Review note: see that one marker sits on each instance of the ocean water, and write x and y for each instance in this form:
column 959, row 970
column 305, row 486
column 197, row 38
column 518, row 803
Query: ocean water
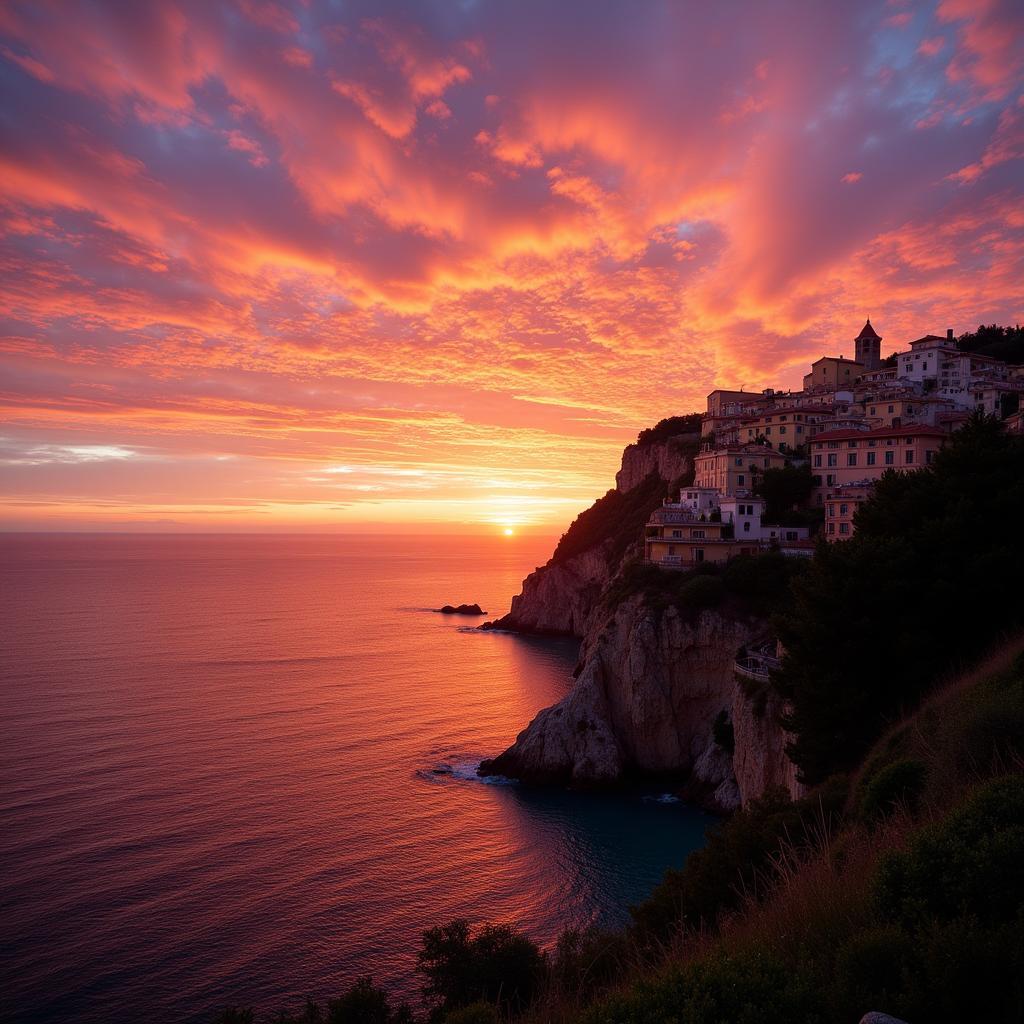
column 241, row 770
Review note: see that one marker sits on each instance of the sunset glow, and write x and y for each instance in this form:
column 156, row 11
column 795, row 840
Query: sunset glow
column 387, row 266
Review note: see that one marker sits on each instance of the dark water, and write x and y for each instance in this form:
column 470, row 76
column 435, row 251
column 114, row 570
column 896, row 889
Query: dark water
column 240, row 769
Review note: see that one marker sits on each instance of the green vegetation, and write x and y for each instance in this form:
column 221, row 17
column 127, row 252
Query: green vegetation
column 1005, row 343
column 747, row 585
column 615, row 521
column 877, row 620
column 783, row 489
column 673, row 426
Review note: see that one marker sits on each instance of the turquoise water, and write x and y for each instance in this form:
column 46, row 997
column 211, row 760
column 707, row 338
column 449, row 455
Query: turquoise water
column 241, row 769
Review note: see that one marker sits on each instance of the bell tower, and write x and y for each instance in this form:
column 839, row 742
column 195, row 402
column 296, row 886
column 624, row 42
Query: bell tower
column 868, row 348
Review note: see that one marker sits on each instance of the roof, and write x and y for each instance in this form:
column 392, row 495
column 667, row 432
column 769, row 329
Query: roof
column 836, row 359
column 911, row 430
column 932, row 337
column 867, row 331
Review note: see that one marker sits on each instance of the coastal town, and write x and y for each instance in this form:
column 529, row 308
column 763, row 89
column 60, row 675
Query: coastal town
column 855, row 419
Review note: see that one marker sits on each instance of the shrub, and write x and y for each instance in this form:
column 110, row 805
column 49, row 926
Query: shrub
column 588, row 959
column 969, row 864
column 476, row 1013
column 753, row 987
column 497, row 965
column 701, row 591
column 363, row 1003
column 898, row 783
column 673, row 426
column 873, row 968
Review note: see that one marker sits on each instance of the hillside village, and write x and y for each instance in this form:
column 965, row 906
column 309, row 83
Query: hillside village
column 854, row 420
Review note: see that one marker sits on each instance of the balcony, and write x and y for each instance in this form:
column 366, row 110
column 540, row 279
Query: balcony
column 758, row 664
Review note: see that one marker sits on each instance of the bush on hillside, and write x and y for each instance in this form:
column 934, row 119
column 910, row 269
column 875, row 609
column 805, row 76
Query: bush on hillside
column 673, row 426
column 897, row 785
column 971, row 864
column 614, row 521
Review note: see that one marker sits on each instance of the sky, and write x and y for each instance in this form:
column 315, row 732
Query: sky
column 408, row 266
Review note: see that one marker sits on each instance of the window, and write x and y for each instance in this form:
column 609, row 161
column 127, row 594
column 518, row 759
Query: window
column 928, row 456
column 782, row 430
column 698, row 534
column 872, row 456
column 851, row 459
column 746, row 526
column 890, row 458
column 677, row 533
column 698, row 554
column 671, row 549
column 844, row 527
column 844, row 509
column 831, row 527
column 909, row 456
column 830, row 479
column 889, row 409
column 738, row 462
column 833, row 459
column 741, row 480
column 851, row 444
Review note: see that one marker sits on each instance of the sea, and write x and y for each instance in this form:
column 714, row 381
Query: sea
column 242, row 770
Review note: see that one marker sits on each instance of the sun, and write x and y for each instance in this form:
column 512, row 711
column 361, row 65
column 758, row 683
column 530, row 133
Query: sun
column 509, row 532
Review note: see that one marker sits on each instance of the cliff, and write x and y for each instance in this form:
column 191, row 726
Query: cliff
column 650, row 686
column 561, row 596
column 656, row 669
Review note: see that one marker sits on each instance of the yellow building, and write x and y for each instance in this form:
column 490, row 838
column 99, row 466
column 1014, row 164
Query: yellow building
column 679, row 539
column 735, row 468
column 785, row 428
column 833, row 372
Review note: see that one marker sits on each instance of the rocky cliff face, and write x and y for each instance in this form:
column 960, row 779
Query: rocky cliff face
column 650, row 687
column 668, row 459
column 560, row 597
column 760, row 761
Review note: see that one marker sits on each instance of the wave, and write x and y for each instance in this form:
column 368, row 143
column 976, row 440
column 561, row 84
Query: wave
column 462, row 769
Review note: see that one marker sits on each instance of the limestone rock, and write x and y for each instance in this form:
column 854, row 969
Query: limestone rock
column 648, row 691
column 760, row 762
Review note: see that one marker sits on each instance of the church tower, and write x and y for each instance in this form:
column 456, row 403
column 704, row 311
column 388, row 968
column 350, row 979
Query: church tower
column 868, row 348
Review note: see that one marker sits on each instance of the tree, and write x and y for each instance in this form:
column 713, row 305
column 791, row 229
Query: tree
column 498, row 965
column 784, row 488
column 1005, row 343
column 930, row 579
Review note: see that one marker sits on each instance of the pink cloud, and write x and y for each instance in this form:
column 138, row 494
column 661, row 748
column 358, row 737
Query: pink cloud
column 273, row 235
